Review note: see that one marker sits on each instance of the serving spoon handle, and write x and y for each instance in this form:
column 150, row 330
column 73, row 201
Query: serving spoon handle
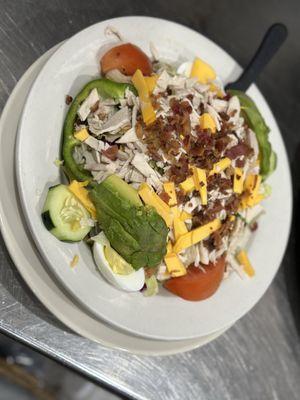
column 273, row 39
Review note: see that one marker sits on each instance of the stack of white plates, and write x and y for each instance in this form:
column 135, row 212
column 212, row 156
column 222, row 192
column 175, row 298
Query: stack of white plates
column 79, row 296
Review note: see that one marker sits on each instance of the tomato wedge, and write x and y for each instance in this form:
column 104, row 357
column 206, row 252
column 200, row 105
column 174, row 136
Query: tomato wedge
column 127, row 58
column 198, row 285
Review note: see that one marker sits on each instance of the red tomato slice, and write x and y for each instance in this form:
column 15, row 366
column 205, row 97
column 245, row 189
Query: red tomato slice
column 196, row 284
column 127, row 58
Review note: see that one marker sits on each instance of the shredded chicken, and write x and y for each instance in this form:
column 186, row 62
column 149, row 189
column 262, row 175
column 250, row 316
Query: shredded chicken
column 120, row 143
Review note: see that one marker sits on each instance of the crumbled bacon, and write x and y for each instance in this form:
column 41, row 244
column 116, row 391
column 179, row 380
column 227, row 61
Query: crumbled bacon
column 171, row 133
column 111, row 152
column 165, row 197
column 180, row 107
column 202, row 151
column 241, row 149
column 224, row 116
column 181, row 197
column 216, row 182
column 222, row 142
column 253, row 226
column 178, row 173
column 240, row 162
column 232, row 204
column 207, row 214
column 225, row 230
column 68, row 100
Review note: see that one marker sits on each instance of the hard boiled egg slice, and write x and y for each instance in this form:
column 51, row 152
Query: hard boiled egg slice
column 118, row 272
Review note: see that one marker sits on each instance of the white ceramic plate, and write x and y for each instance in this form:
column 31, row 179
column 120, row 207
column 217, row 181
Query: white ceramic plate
column 165, row 316
column 29, row 262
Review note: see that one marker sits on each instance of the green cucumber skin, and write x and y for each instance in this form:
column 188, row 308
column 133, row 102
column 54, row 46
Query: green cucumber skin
column 106, row 89
column 54, row 186
column 51, row 219
column 47, row 220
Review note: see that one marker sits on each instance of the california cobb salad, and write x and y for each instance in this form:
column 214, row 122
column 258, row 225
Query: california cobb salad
column 166, row 172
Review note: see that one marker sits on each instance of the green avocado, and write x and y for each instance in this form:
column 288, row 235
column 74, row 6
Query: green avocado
column 137, row 232
column 115, row 184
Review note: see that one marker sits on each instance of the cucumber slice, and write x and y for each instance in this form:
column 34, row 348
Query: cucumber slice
column 64, row 216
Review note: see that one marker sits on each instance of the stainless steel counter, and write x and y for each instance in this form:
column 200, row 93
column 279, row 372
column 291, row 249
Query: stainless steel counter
column 258, row 358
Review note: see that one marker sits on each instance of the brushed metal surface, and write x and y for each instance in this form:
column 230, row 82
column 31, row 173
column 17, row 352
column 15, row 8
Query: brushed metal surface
column 259, row 358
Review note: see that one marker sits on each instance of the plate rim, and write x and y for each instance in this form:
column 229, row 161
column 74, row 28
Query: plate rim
column 284, row 160
column 18, row 259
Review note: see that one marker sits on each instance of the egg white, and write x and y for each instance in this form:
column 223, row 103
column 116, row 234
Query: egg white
column 129, row 283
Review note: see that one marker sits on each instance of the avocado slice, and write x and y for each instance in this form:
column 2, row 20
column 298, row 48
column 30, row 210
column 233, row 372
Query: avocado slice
column 137, row 232
column 116, row 185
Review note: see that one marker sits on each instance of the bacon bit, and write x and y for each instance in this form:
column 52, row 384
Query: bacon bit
column 226, row 128
column 225, row 230
column 207, row 214
column 68, row 99
column 173, row 145
column 221, row 143
column 166, row 134
column 155, row 102
column 253, row 226
column 186, row 141
column 217, row 182
column 241, row 149
column 240, row 162
column 111, row 152
column 186, row 125
column 224, row 116
column 232, row 204
column 180, row 171
column 206, row 161
column 232, row 113
column 175, row 106
column 165, row 197
column 217, row 239
column 180, row 107
column 201, row 219
column 181, row 197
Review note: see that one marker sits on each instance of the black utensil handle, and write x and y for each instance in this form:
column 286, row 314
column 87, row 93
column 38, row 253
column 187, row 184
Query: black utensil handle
column 271, row 42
